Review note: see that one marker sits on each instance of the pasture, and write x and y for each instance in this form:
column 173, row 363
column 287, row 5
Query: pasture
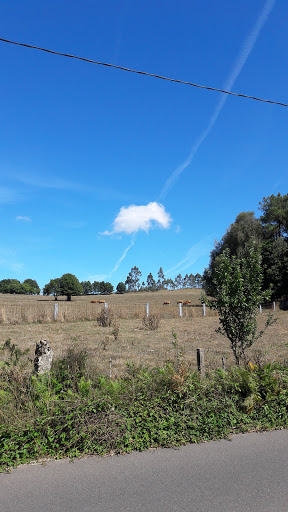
column 27, row 319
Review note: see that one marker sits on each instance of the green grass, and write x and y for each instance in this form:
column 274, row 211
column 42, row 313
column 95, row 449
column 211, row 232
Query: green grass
column 74, row 410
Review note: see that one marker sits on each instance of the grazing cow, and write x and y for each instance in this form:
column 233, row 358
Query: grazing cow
column 166, row 302
column 186, row 302
column 94, row 301
column 101, row 301
column 179, row 301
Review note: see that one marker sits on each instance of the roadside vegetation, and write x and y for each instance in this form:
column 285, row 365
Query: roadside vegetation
column 74, row 410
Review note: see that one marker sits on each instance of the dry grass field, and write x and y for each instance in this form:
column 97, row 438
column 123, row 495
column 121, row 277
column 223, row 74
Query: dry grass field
column 27, row 319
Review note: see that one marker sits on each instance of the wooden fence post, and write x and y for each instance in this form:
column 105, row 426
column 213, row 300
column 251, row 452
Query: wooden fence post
column 147, row 309
column 55, row 311
column 200, row 362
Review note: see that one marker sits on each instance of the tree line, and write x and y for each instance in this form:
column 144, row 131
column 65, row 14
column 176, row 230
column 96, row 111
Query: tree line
column 68, row 285
column 133, row 281
column 268, row 236
column 28, row 287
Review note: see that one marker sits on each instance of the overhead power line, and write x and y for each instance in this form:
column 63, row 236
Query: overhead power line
column 144, row 73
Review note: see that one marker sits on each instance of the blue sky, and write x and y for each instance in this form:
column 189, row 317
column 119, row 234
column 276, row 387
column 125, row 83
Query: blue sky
column 102, row 169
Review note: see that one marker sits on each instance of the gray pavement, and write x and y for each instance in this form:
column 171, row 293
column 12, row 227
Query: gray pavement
column 247, row 474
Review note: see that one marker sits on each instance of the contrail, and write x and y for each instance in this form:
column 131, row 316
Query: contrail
column 118, row 262
column 192, row 255
column 247, row 47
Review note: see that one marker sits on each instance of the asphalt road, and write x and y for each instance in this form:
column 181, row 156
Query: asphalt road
column 247, row 474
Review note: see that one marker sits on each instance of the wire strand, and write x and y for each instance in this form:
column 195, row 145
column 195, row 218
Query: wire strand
column 145, row 73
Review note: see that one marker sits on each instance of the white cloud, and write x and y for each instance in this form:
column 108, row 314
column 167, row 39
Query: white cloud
column 25, row 219
column 134, row 218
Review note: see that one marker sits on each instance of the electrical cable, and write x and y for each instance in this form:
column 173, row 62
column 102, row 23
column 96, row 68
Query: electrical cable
column 145, row 73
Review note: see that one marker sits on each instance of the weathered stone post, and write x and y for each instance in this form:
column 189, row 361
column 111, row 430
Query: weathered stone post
column 43, row 357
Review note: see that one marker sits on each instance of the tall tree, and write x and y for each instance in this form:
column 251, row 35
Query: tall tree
column 198, row 280
column 70, row 286
column 151, row 284
column 244, row 233
column 161, row 279
column 53, row 288
column 106, row 287
column 178, row 281
column 275, row 243
column 34, row 287
column 121, row 287
column 87, row 287
column 133, row 279
column 275, row 216
column 96, row 287
column 191, row 282
column 186, row 281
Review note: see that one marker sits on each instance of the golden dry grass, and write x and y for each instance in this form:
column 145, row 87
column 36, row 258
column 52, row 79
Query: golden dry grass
column 25, row 320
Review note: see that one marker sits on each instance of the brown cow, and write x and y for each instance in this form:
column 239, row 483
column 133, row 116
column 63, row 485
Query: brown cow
column 166, row 302
column 186, row 302
column 94, row 301
column 179, row 301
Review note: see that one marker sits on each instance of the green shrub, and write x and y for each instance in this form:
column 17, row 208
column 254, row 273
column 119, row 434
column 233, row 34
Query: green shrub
column 72, row 411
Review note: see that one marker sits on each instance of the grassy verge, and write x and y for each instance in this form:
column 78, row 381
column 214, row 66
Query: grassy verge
column 75, row 411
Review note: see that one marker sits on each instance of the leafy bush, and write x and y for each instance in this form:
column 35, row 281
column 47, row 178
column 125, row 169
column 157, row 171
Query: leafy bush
column 238, row 293
column 73, row 411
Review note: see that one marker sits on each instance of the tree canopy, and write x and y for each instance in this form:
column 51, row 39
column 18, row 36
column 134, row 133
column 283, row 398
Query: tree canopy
column 133, row 279
column 67, row 285
column 121, row 287
column 28, row 287
column 268, row 234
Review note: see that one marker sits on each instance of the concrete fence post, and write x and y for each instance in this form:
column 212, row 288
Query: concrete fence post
column 180, row 309
column 260, row 308
column 147, row 309
column 204, row 309
column 106, row 306
column 274, row 306
column 55, row 311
